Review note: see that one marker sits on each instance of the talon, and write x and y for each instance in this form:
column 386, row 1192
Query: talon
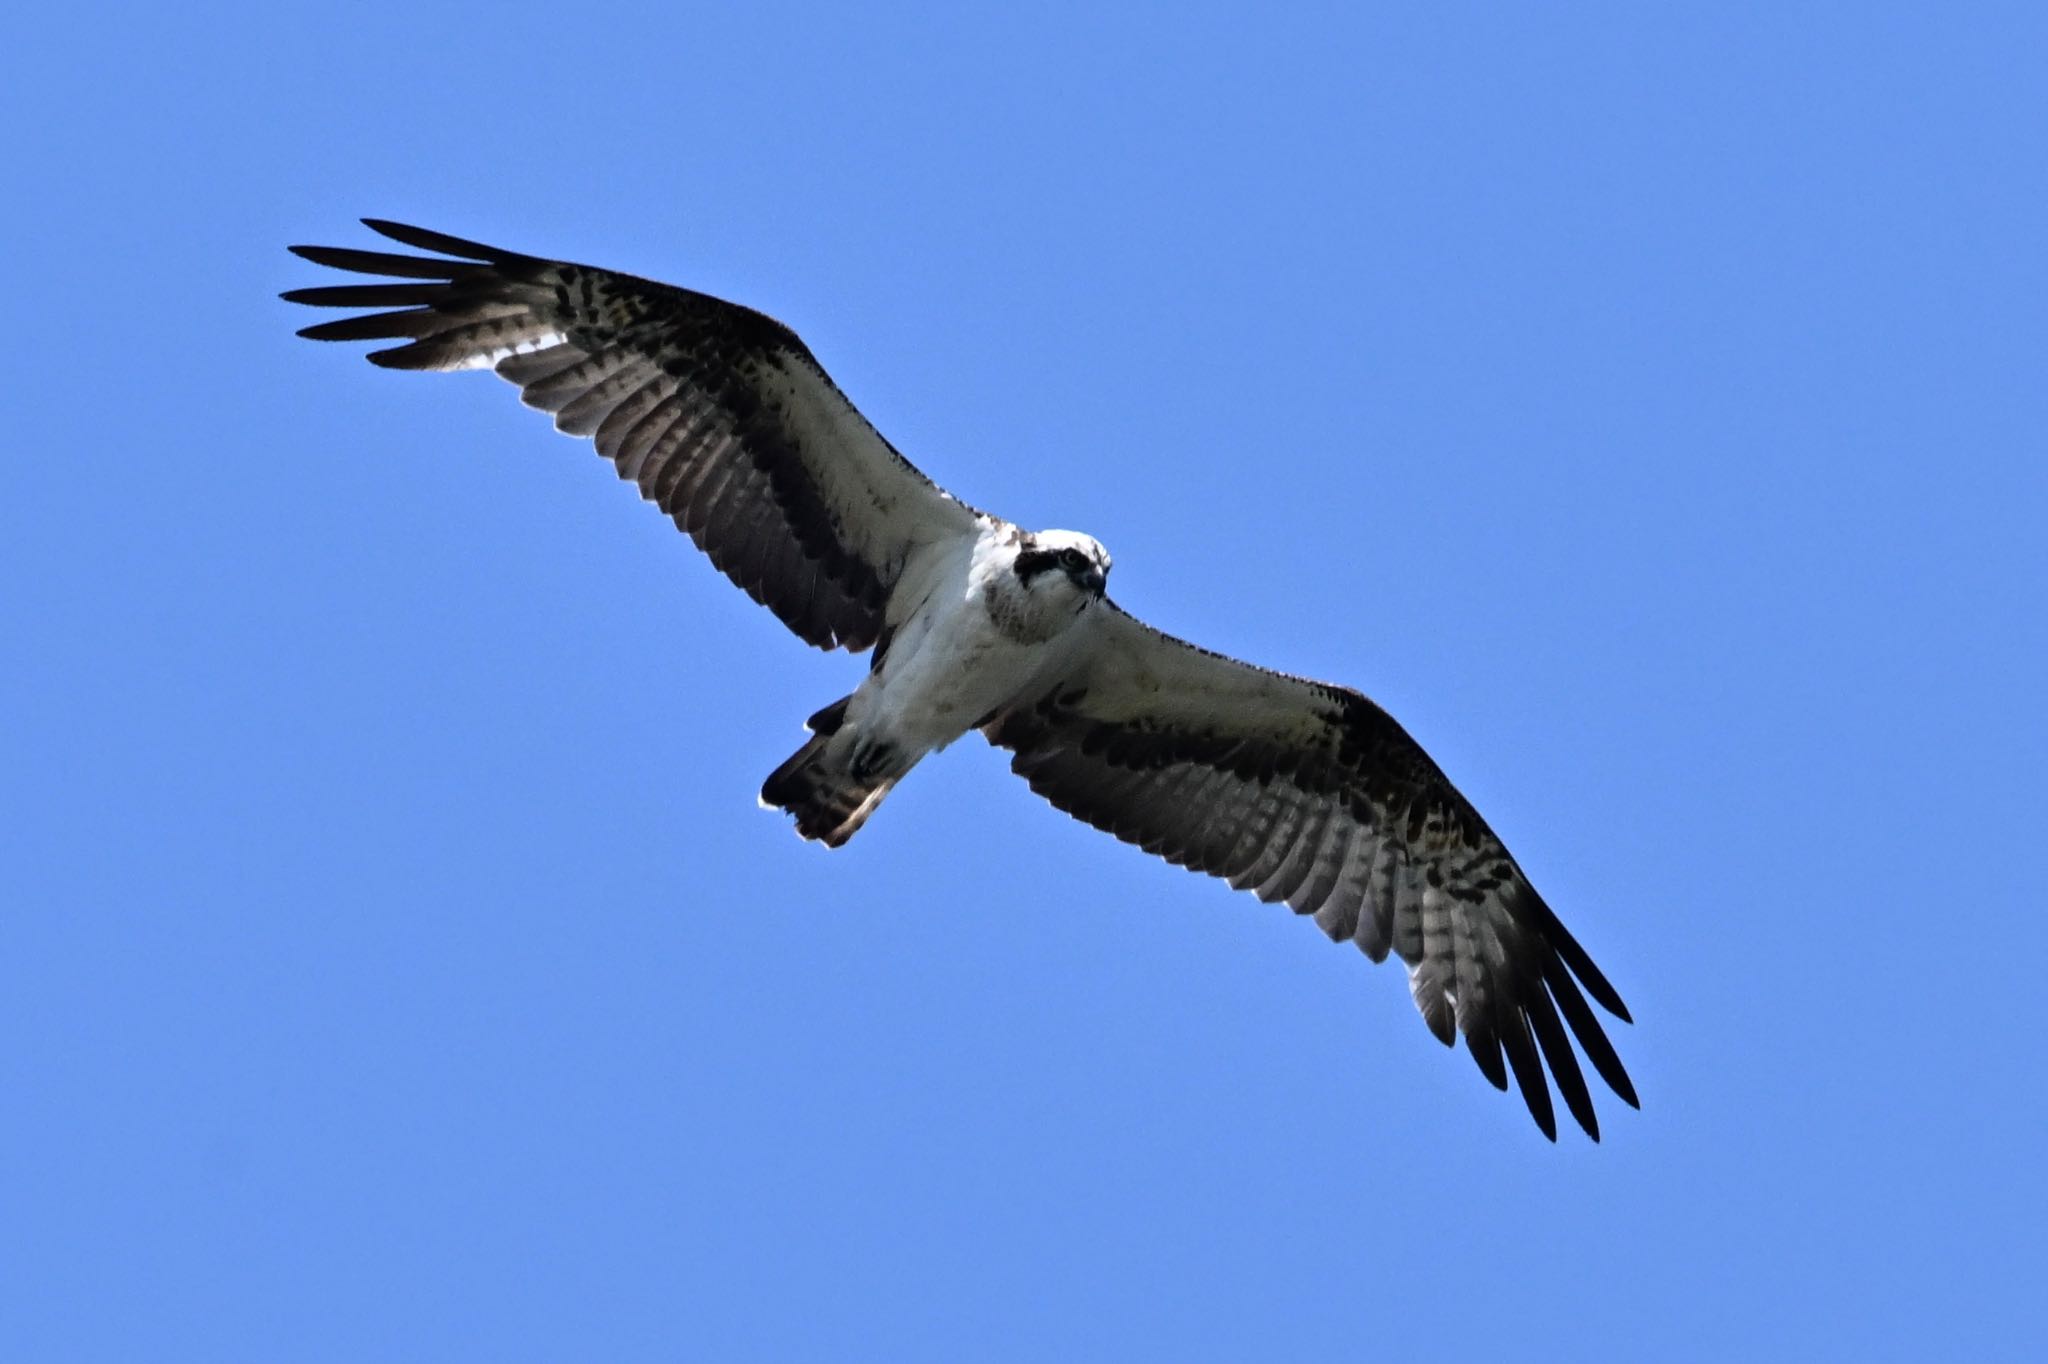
column 871, row 758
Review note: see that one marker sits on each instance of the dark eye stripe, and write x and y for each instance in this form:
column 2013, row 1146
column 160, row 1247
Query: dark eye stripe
column 1033, row 562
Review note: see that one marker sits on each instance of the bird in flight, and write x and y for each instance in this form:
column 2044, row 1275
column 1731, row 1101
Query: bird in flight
column 1298, row 791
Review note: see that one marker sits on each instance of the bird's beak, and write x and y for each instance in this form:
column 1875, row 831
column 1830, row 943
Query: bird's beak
column 1095, row 581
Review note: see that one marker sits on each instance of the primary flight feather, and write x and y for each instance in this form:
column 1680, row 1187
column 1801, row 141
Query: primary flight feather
column 1297, row 791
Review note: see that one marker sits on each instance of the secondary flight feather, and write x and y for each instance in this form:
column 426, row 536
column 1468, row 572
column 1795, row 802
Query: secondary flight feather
column 1301, row 792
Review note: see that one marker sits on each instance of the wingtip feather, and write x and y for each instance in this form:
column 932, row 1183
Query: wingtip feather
column 426, row 240
column 1581, row 962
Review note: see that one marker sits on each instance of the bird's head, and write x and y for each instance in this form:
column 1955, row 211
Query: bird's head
column 1064, row 564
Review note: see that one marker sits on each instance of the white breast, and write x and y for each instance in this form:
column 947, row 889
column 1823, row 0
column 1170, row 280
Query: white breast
column 949, row 663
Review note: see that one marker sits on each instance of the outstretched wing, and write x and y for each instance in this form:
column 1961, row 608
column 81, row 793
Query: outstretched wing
column 1310, row 794
column 720, row 414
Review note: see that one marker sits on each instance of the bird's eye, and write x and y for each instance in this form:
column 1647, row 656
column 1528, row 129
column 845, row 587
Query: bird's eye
column 1072, row 559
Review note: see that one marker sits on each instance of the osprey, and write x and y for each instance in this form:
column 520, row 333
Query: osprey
column 1298, row 791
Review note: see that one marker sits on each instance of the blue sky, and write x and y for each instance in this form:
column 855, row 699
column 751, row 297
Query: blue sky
column 1644, row 403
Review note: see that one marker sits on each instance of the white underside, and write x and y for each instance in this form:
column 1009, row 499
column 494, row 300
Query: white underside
column 949, row 664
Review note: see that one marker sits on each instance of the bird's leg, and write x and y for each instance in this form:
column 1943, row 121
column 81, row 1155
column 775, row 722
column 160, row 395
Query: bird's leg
column 872, row 757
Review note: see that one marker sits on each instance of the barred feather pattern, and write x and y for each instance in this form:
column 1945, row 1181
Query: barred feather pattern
column 717, row 413
column 1308, row 794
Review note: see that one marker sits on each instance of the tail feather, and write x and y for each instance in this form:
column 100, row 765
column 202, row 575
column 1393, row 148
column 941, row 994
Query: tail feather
column 830, row 800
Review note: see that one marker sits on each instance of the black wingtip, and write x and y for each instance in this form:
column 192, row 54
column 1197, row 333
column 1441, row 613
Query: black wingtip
column 1556, row 1046
column 425, row 240
column 1536, row 1094
column 1519, row 1042
column 1596, row 983
column 404, row 295
column 1485, row 1049
column 369, row 327
column 1597, row 986
column 343, row 329
column 1530, row 905
column 1585, row 1025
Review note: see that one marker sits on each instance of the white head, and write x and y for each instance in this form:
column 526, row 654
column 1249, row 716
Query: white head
column 1054, row 576
column 1064, row 563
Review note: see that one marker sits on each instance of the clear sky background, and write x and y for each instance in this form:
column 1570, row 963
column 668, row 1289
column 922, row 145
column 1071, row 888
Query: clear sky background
column 1644, row 403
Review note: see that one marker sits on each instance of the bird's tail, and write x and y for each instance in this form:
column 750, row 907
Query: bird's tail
column 830, row 787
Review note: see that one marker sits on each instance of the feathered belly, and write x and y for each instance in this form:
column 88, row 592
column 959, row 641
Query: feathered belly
column 954, row 675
